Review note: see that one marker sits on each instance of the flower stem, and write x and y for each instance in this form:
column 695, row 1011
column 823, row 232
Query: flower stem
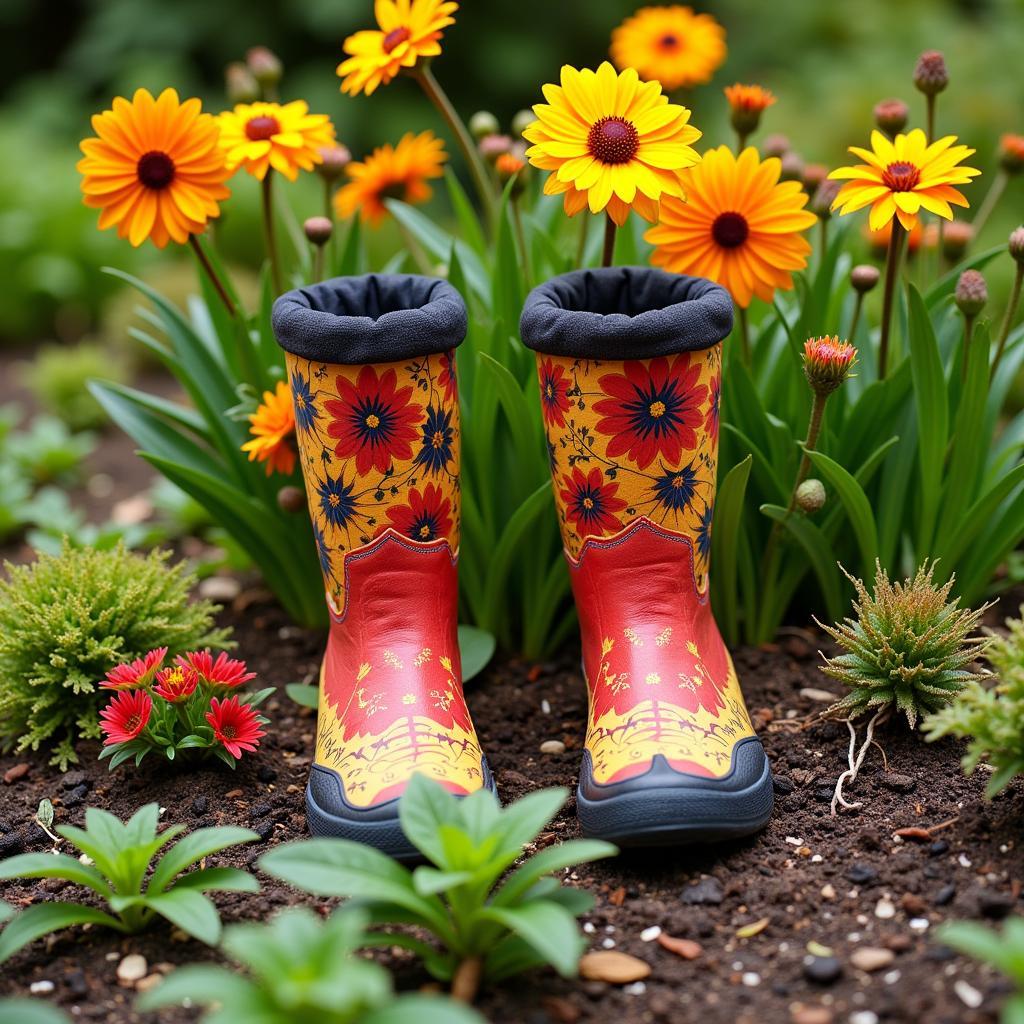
column 930, row 117
column 430, row 85
column 318, row 262
column 524, row 253
column 581, row 245
column 988, row 204
column 858, row 307
column 207, row 266
column 1011, row 311
column 269, row 240
column 968, row 335
column 609, row 241
column 741, row 141
column 741, row 314
column 892, row 266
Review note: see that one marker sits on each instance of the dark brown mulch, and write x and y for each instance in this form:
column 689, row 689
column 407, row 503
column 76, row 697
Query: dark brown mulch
column 841, row 882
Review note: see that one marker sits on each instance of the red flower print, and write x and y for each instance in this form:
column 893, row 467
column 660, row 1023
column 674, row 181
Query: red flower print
column 446, row 379
column 554, row 393
column 373, row 421
column 126, row 716
column 224, row 671
column 590, row 503
column 711, row 419
column 177, row 683
column 138, row 673
column 426, row 517
column 651, row 409
column 235, row 725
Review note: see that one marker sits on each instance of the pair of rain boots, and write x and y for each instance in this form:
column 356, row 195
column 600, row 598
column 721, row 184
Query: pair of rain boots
column 629, row 371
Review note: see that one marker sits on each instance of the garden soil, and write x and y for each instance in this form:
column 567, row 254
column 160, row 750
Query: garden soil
column 818, row 919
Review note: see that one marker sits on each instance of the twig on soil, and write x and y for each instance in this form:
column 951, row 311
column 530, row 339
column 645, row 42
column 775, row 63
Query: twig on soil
column 855, row 757
column 794, row 724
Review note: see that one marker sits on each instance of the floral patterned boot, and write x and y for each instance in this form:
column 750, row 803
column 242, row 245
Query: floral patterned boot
column 629, row 363
column 371, row 364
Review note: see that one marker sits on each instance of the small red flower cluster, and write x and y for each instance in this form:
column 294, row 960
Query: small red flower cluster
column 194, row 708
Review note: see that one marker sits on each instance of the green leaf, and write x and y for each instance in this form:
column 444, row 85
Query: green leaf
column 476, row 648
column 549, row 860
column 469, row 223
column 428, row 881
column 725, row 529
column 858, row 510
column 547, row 928
column 304, row 693
column 523, row 820
column 218, row 880
column 199, row 984
column 44, row 918
column 48, row 865
column 424, row 808
column 188, row 851
column 423, row 1009
column 190, row 911
column 29, row 1011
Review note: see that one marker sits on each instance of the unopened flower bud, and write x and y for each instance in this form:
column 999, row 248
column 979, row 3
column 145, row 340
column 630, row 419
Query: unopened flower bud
column 957, row 236
column 239, row 84
column 823, row 198
column 864, row 277
column 318, row 229
column 291, row 499
column 813, row 175
column 1011, row 153
column 265, row 66
column 792, row 167
column 891, row 116
column 930, row 74
column 746, row 105
column 522, row 120
column 971, row 293
column 775, row 145
column 509, row 166
column 334, row 161
column 810, row 496
column 482, row 123
column 1016, row 244
column 827, row 363
column 492, row 146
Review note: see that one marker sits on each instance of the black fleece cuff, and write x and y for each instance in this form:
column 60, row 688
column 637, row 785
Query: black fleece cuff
column 374, row 318
column 624, row 313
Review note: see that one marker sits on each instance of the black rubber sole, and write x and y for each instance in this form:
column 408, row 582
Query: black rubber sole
column 664, row 807
column 330, row 815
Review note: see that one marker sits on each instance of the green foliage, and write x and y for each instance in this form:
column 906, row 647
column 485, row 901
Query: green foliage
column 47, row 450
column 57, row 378
column 907, row 647
column 477, row 920
column 29, row 1011
column 991, row 719
column 66, row 619
column 301, row 968
column 1002, row 950
column 119, row 856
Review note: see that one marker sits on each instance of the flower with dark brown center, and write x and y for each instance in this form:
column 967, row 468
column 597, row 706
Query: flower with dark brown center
column 730, row 230
column 613, row 140
column 891, row 116
column 931, row 75
column 265, row 127
column 901, row 176
column 155, row 169
column 395, row 37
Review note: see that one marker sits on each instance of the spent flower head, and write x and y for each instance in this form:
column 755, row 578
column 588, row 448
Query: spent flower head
column 907, row 646
column 931, row 75
column 971, row 293
column 827, row 363
column 891, row 116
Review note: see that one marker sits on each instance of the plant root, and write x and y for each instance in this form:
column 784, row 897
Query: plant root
column 855, row 758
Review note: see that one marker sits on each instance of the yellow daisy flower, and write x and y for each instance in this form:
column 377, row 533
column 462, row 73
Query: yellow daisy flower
column 741, row 226
column 273, row 430
column 285, row 137
column 901, row 177
column 395, row 172
column 155, row 168
column 408, row 30
column 671, row 45
column 612, row 142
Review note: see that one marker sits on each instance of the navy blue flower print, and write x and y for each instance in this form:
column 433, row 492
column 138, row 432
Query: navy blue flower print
column 436, row 445
column 302, row 398
column 336, row 501
column 675, row 488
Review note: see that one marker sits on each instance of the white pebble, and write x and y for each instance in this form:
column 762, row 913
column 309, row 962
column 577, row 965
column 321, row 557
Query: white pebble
column 919, row 924
column 41, row 988
column 608, row 943
column 751, row 979
column 588, row 927
column 963, row 861
column 884, row 909
column 650, row 934
column 817, row 858
column 793, row 841
column 638, row 988
column 545, row 707
column 891, row 977
column 968, row 994
column 864, row 1017
column 132, row 968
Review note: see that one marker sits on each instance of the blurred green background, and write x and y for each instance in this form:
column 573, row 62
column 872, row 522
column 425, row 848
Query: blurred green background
column 828, row 63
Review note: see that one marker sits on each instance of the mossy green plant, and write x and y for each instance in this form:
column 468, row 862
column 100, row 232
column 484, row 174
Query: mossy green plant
column 991, row 718
column 58, row 375
column 66, row 619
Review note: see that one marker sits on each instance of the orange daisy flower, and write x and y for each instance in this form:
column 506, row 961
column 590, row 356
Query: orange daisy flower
column 273, row 428
column 671, row 45
column 399, row 172
column 741, row 226
column 287, row 138
column 407, row 30
column 155, row 168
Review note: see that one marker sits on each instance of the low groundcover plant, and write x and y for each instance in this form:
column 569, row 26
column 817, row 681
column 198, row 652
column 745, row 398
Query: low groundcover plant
column 67, row 619
column 116, row 857
column 1002, row 950
column 485, row 928
column 300, row 968
column 183, row 707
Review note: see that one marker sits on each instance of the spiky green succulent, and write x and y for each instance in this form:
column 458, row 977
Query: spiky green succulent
column 992, row 719
column 908, row 647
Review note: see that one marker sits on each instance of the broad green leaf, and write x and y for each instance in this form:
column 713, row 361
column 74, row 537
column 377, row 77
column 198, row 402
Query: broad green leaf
column 188, row 851
column 30, row 1011
column 858, row 509
column 304, row 693
column 199, row 984
column 423, row 1009
column 476, row 648
column 424, row 807
column 48, row 865
column 724, row 548
column 429, row 881
column 218, row 880
column 549, row 860
column 548, row 928
column 44, row 918
column 190, row 911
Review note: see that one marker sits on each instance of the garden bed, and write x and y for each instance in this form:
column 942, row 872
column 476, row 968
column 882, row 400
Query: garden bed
column 843, row 883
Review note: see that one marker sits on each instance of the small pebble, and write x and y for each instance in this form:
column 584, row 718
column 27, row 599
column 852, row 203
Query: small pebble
column 638, row 988
column 613, row 967
column 19, row 771
column 861, row 874
column 864, row 1017
column 132, row 968
column 751, row 979
column 220, row 588
column 919, row 924
column 868, row 958
column 938, row 848
column 822, row 969
column 552, row 747
column 967, row 994
column 884, row 909
column 200, row 806
column 828, row 891
column 706, row 891
column 41, row 988
column 650, row 934
column 810, row 1015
